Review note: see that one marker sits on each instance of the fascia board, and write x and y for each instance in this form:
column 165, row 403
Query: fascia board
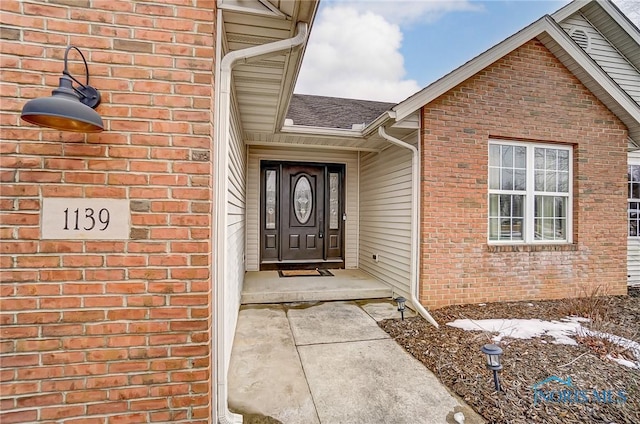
column 321, row 131
column 569, row 10
column 621, row 20
column 292, row 68
column 544, row 25
column 468, row 70
column 381, row 120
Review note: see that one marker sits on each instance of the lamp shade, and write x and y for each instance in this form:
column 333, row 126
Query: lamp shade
column 64, row 111
column 493, row 353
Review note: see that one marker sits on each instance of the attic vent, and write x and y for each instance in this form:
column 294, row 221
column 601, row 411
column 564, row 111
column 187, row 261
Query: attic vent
column 581, row 38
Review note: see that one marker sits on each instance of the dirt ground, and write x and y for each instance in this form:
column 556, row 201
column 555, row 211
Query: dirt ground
column 602, row 390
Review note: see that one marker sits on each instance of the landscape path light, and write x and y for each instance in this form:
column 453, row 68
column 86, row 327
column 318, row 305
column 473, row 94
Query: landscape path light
column 493, row 354
column 401, row 305
column 69, row 108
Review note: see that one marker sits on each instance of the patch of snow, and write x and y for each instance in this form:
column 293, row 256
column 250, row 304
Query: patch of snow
column 522, row 328
column 482, row 304
column 563, row 332
column 624, row 362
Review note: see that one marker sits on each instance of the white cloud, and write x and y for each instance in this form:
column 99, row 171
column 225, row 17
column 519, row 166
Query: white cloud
column 411, row 11
column 354, row 49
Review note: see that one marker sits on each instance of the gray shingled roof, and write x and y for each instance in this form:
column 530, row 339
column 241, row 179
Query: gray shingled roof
column 333, row 112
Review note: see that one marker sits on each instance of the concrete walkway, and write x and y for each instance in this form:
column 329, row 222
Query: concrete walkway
column 330, row 363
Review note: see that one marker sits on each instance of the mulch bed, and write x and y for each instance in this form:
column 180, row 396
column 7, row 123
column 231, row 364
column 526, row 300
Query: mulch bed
column 454, row 356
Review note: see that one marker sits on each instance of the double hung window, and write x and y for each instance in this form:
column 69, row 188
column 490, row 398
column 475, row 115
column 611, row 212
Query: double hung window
column 529, row 193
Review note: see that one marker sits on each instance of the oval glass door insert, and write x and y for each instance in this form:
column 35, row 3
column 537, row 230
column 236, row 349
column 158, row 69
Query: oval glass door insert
column 302, row 199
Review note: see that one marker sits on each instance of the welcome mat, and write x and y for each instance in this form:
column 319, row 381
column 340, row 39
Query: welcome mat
column 305, row 273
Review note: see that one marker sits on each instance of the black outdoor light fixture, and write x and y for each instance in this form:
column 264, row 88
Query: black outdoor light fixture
column 493, row 353
column 401, row 305
column 69, row 108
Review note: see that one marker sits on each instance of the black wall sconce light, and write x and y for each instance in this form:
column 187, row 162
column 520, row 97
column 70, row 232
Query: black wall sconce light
column 69, row 108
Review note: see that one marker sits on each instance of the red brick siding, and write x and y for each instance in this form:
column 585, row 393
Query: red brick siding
column 527, row 96
column 109, row 331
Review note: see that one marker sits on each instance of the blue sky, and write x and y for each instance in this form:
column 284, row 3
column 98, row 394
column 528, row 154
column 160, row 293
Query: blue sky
column 389, row 49
column 428, row 54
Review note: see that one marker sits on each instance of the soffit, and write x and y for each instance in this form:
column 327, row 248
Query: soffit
column 263, row 86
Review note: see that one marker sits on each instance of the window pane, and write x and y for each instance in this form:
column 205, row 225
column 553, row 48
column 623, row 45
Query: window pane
column 517, row 230
column 493, row 229
column 302, row 200
column 494, row 155
column 520, row 180
column 550, row 183
column 494, row 178
column 563, row 160
column 334, row 206
column 521, row 157
column 507, row 179
column 505, row 229
column 270, row 203
column 539, row 156
column 505, row 217
column 560, row 229
column 551, row 159
column 560, row 207
column 563, row 182
column 505, row 205
column 539, row 175
column 507, row 156
column 517, row 206
column 550, row 217
column 634, row 219
column 494, row 209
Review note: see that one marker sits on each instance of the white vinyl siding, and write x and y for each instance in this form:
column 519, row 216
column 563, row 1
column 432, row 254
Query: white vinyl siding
column 349, row 159
column 607, row 56
column 236, row 198
column 385, row 216
column 633, row 244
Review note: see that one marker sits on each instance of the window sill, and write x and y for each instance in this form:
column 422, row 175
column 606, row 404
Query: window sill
column 497, row 248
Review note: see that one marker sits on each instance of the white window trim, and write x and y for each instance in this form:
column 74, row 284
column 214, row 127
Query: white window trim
column 631, row 162
column 529, row 208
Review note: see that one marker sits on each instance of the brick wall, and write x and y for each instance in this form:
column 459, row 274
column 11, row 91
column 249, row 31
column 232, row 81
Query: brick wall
column 109, row 331
column 526, row 96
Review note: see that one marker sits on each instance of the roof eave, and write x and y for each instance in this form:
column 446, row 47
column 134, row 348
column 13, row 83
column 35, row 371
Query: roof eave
column 469, row 69
column 629, row 111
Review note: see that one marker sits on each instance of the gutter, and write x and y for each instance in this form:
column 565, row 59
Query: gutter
column 222, row 116
column 415, row 230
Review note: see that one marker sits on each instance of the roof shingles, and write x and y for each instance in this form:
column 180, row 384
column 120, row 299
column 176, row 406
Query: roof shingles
column 334, row 112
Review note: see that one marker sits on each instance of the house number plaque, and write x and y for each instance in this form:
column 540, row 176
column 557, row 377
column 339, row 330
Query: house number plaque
column 85, row 219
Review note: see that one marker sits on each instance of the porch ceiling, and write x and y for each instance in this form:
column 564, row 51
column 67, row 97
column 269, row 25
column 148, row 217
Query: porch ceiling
column 263, row 86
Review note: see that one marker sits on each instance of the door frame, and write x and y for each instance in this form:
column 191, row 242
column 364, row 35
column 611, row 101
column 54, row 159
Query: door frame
column 326, row 261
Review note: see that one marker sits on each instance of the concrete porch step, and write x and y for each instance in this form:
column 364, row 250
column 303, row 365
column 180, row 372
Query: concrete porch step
column 346, row 284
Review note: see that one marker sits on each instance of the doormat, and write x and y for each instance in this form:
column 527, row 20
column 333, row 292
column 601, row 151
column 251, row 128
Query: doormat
column 305, row 273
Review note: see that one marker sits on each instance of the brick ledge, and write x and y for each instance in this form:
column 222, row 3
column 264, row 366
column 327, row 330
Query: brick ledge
column 493, row 248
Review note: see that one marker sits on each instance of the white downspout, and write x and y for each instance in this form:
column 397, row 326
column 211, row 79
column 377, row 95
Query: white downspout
column 415, row 224
column 222, row 115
